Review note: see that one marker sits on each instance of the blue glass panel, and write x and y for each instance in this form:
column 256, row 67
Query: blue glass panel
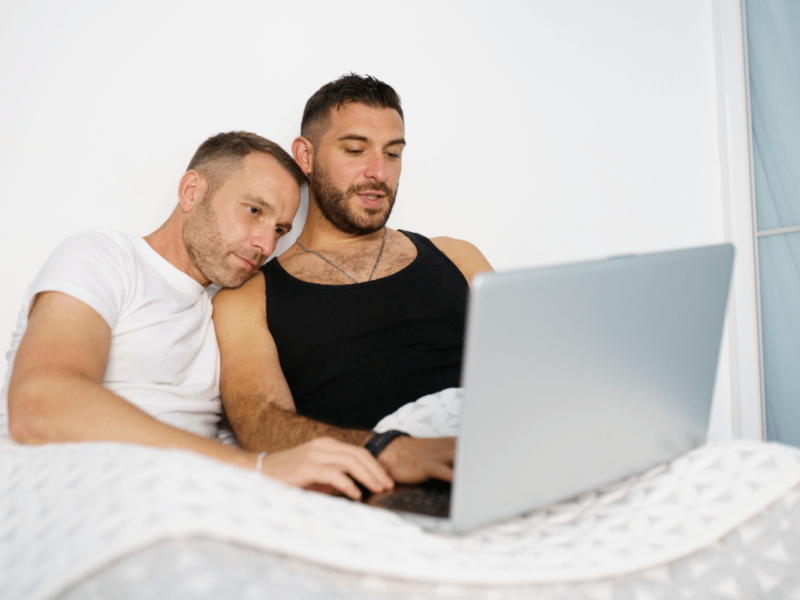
column 773, row 41
column 779, row 263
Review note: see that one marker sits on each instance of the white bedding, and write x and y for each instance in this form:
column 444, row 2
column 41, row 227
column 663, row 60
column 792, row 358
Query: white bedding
column 757, row 560
column 67, row 511
column 105, row 520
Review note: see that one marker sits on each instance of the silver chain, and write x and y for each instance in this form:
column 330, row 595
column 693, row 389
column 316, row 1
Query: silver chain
column 335, row 266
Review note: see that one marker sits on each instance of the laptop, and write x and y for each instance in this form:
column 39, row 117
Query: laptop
column 579, row 375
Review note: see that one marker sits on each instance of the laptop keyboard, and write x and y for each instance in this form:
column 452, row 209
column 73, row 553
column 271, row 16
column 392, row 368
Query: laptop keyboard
column 429, row 499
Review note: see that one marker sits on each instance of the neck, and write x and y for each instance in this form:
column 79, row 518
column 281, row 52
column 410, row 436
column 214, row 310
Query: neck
column 167, row 241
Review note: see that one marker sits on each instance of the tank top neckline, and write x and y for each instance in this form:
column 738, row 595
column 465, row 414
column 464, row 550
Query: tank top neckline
column 411, row 236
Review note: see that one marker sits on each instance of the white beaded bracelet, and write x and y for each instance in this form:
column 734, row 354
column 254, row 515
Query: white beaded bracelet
column 259, row 460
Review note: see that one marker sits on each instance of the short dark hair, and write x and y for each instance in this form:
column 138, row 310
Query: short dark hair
column 348, row 88
column 222, row 154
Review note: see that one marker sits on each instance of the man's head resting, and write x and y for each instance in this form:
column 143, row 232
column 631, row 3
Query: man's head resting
column 365, row 90
column 238, row 197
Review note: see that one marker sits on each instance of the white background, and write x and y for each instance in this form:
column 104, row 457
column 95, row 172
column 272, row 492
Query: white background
column 542, row 132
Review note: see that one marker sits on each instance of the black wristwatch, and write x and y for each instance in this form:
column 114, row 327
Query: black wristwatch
column 379, row 441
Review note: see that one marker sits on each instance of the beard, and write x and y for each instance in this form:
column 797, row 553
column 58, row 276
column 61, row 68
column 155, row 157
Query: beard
column 332, row 202
column 203, row 241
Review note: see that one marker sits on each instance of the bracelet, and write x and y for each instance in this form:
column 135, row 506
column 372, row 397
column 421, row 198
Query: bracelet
column 379, row 441
column 259, row 460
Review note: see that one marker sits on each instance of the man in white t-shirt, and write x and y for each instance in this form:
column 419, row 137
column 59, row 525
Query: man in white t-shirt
column 115, row 339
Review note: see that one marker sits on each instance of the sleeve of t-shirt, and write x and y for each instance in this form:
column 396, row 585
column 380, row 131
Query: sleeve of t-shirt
column 92, row 267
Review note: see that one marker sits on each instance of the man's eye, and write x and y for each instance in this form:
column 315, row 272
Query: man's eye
column 352, row 151
column 279, row 231
column 393, row 155
column 253, row 210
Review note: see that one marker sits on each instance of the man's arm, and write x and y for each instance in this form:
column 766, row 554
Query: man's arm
column 254, row 391
column 260, row 406
column 56, row 395
column 469, row 260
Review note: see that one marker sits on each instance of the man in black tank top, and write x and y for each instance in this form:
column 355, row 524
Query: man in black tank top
column 355, row 319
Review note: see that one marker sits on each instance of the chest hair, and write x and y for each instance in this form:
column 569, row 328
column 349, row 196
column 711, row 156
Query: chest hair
column 357, row 260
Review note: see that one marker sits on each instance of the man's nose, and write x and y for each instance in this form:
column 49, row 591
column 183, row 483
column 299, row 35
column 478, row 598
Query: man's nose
column 376, row 169
column 264, row 241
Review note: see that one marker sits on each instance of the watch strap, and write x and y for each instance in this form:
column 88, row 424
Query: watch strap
column 379, row 441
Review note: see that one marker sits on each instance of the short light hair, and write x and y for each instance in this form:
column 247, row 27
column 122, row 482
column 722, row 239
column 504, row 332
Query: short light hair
column 220, row 155
column 348, row 88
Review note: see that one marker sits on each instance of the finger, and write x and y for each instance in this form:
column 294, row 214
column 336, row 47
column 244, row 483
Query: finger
column 371, row 464
column 336, row 478
column 360, row 466
column 310, row 466
column 359, row 463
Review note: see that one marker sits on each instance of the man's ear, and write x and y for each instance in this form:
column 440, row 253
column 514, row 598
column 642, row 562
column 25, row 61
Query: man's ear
column 303, row 152
column 191, row 189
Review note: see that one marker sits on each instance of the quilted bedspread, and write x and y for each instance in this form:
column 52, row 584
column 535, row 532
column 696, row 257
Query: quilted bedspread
column 69, row 511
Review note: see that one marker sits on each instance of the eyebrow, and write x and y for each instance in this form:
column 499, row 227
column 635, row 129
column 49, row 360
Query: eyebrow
column 361, row 138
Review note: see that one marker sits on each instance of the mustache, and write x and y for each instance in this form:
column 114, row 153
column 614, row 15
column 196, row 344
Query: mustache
column 364, row 187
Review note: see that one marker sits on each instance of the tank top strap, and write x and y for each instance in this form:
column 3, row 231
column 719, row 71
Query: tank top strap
column 421, row 242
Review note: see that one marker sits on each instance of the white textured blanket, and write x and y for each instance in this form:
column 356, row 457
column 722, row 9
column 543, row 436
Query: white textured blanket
column 67, row 510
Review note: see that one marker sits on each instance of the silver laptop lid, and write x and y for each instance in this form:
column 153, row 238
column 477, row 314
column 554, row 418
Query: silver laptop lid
column 582, row 374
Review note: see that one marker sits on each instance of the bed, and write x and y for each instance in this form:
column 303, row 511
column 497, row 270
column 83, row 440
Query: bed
column 105, row 520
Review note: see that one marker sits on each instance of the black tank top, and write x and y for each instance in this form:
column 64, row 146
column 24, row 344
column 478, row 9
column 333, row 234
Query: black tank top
column 353, row 354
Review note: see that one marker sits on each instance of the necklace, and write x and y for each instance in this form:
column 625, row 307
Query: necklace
column 335, row 266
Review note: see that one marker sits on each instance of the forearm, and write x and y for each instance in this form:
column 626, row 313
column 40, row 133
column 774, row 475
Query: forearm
column 277, row 429
column 72, row 408
column 63, row 407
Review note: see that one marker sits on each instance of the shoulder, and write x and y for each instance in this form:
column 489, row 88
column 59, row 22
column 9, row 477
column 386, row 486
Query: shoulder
column 247, row 297
column 92, row 267
column 102, row 249
column 466, row 256
column 99, row 257
column 103, row 240
column 240, row 316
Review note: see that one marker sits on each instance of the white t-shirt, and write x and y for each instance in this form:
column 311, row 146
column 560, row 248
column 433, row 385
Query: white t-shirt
column 164, row 356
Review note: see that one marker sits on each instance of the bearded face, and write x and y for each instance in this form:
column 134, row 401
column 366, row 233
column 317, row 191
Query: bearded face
column 333, row 202
column 203, row 239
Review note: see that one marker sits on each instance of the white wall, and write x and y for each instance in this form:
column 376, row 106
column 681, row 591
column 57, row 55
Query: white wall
column 540, row 131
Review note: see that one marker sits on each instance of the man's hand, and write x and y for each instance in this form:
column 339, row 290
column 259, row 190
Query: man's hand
column 327, row 462
column 414, row 460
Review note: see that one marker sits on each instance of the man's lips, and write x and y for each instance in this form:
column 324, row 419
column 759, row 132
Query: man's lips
column 247, row 262
column 371, row 198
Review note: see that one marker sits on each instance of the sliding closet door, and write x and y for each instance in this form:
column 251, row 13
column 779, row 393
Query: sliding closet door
column 773, row 41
